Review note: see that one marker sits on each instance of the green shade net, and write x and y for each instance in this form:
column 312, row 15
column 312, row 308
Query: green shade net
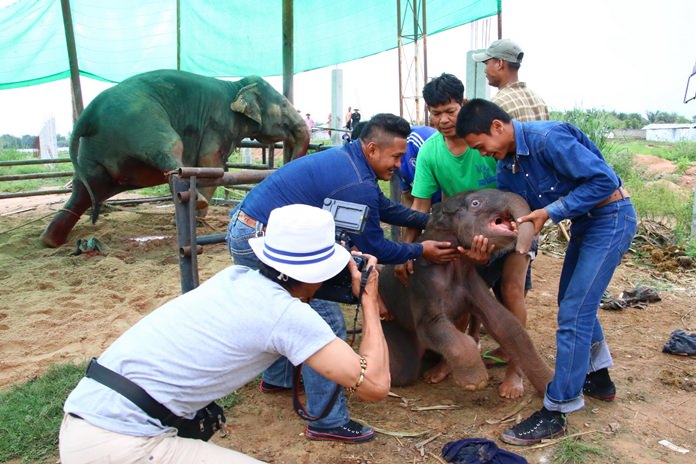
column 115, row 40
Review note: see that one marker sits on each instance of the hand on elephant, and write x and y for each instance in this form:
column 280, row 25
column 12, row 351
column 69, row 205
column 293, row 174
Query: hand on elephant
column 538, row 217
column 403, row 271
column 439, row 252
column 480, row 251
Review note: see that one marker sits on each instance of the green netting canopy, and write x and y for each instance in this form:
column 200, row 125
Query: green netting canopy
column 233, row 38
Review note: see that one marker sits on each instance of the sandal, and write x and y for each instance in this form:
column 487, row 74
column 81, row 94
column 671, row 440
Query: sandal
column 491, row 360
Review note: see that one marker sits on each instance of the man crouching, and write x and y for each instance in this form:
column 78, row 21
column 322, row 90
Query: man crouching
column 139, row 397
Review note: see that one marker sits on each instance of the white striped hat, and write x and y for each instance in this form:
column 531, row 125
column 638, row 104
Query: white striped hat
column 300, row 242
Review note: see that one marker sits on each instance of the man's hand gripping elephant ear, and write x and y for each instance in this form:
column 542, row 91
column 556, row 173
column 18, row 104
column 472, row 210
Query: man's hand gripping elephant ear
column 538, row 217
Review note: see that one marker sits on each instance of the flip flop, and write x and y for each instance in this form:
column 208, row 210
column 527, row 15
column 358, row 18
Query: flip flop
column 492, row 361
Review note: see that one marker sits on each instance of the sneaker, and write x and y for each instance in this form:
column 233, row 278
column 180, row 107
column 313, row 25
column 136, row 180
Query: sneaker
column 598, row 385
column 539, row 426
column 350, row 432
column 265, row 387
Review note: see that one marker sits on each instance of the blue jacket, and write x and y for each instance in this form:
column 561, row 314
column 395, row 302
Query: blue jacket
column 559, row 168
column 340, row 173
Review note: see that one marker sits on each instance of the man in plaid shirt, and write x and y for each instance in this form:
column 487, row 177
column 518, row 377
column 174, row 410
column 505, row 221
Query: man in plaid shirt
column 503, row 59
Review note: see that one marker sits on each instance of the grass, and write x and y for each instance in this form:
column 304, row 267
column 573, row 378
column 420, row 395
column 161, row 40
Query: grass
column 32, row 413
column 571, row 451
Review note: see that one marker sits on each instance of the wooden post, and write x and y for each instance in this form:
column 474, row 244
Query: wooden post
column 72, row 60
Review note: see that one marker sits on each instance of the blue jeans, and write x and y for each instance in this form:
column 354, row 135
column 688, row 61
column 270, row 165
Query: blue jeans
column 598, row 240
column 318, row 389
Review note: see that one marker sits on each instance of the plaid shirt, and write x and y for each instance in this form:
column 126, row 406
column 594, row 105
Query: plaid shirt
column 521, row 103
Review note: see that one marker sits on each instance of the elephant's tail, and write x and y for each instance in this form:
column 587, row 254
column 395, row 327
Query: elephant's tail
column 83, row 128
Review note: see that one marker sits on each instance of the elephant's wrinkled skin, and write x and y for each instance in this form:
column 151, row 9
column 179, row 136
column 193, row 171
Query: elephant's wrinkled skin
column 130, row 135
column 441, row 295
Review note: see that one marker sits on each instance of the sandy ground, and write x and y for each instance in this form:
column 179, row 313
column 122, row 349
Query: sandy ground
column 57, row 308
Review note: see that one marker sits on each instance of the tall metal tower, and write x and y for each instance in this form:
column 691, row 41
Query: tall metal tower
column 413, row 59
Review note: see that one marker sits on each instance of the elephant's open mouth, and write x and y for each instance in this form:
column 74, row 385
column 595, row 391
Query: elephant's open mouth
column 502, row 225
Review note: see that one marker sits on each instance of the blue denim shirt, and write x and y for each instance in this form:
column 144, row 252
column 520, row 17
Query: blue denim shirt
column 340, row 173
column 558, row 168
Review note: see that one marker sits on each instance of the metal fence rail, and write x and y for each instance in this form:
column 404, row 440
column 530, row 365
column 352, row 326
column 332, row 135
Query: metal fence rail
column 267, row 162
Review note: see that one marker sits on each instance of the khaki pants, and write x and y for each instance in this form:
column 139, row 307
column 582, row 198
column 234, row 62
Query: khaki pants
column 80, row 442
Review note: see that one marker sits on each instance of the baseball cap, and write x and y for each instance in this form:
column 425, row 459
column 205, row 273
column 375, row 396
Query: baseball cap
column 504, row 49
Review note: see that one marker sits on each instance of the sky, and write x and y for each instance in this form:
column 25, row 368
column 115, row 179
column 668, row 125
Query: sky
column 622, row 55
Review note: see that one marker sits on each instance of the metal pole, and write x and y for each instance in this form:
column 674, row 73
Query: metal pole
column 72, row 60
column 426, row 116
column 400, row 52
column 178, row 34
column 288, row 57
column 416, row 84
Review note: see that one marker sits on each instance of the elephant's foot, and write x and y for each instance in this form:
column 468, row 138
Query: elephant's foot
column 513, row 385
column 438, row 373
column 472, row 378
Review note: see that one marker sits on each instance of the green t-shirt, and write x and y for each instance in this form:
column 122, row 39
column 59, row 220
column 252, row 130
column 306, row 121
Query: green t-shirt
column 437, row 167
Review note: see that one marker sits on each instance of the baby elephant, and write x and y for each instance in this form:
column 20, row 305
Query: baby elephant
column 441, row 297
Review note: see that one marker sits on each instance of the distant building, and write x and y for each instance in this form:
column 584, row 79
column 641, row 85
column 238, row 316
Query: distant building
column 670, row 132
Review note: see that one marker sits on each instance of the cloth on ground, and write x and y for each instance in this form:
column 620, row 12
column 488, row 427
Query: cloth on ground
column 478, row 451
column 681, row 343
column 639, row 298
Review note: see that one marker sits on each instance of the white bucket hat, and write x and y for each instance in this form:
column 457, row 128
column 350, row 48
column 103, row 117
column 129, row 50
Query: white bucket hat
column 300, row 242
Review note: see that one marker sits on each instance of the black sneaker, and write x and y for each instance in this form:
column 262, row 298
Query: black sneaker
column 539, row 426
column 598, row 385
column 350, row 432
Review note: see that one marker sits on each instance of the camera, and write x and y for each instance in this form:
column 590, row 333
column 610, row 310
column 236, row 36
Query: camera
column 349, row 218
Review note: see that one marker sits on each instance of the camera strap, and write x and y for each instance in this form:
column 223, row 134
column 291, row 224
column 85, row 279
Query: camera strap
column 363, row 282
column 299, row 408
column 297, row 370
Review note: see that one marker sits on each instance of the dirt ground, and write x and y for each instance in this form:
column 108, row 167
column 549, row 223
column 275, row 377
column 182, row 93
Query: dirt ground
column 57, row 308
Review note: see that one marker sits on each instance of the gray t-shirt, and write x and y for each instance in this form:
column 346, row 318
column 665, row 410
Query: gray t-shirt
column 199, row 347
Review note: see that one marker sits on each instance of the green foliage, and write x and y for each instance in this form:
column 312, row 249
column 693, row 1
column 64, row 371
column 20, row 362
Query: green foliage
column 32, row 412
column 594, row 123
column 662, row 117
column 571, row 451
column 8, row 141
column 30, row 184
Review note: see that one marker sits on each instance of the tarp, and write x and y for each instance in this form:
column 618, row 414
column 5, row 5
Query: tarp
column 219, row 38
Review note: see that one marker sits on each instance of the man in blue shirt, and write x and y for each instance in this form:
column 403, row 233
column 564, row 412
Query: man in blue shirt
column 407, row 171
column 562, row 175
column 349, row 173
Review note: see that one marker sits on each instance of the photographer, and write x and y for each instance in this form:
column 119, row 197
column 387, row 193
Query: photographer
column 346, row 173
column 211, row 341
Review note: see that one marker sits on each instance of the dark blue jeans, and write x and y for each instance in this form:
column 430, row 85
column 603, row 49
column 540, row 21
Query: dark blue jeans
column 318, row 389
column 598, row 241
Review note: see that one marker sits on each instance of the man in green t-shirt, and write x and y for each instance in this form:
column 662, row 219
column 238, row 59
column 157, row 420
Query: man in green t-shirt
column 446, row 161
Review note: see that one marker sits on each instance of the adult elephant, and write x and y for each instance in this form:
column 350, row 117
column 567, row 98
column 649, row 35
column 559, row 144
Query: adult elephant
column 440, row 298
column 132, row 134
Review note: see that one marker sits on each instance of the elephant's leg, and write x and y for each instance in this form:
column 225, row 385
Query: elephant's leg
column 56, row 233
column 459, row 350
column 442, row 369
column 405, row 353
column 511, row 335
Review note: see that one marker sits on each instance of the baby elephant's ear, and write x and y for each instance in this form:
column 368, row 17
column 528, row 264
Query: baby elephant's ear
column 442, row 213
column 247, row 103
